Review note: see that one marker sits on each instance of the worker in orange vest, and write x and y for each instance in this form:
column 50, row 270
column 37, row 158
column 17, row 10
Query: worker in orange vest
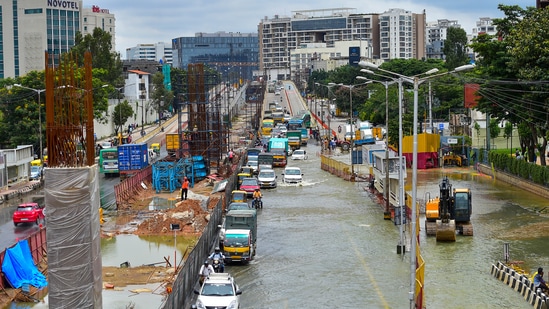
column 184, row 188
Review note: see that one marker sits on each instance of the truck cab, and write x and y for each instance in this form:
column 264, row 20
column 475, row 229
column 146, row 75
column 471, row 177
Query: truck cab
column 238, row 246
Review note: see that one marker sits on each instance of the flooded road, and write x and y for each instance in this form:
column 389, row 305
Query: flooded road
column 325, row 244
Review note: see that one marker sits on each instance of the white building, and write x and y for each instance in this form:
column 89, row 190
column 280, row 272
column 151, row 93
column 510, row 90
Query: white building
column 317, row 56
column 436, row 35
column 401, row 35
column 393, row 34
column 96, row 17
column 153, row 52
column 30, row 27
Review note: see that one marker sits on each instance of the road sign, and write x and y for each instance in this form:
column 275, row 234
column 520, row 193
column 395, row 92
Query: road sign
column 452, row 141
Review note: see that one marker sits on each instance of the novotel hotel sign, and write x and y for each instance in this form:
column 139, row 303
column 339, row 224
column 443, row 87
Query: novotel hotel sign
column 63, row 4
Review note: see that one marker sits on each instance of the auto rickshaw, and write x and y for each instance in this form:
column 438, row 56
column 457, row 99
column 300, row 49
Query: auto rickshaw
column 239, row 196
column 247, row 170
column 242, row 176
column 156, row 148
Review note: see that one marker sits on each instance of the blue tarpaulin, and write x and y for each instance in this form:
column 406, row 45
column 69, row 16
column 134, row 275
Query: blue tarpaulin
column 18, row 267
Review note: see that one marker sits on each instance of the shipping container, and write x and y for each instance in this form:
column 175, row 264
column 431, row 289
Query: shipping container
column 133, row 157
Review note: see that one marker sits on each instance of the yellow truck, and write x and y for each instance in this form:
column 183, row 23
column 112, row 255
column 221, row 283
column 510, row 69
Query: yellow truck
column 172, row 143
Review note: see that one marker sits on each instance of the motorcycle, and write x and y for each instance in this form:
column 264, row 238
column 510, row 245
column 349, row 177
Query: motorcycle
column 217, row 266
column 257, row 203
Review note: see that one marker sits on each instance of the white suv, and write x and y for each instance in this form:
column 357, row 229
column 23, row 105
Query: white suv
column 218, row 291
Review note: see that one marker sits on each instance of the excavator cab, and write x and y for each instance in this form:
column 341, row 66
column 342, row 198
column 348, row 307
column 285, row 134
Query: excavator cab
column 449, row 212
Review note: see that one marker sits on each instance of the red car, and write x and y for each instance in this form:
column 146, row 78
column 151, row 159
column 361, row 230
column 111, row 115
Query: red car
column 28, row 212
column 249, row 185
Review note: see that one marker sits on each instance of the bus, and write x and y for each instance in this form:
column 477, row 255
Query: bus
column 306, row 119
column 296, row 123
column 108, row 161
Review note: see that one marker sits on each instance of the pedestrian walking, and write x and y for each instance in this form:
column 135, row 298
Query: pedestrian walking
column 184, row 188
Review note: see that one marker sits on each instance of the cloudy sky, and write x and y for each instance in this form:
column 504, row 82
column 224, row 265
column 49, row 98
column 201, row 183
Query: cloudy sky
column 141, row 22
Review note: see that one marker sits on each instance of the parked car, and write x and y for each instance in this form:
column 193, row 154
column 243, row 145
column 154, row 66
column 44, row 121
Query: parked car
column 218, row 291
column 249, row 185
column 28, row 212
column 36, row 172
column 267, row 178
column 299, row 154
column 292, row 175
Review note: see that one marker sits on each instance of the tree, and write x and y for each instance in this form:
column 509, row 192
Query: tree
column 508, row 131
column 161, row 98
column 494, row 129
column 455, row 48
column 100, row 46
column 513, row 65
column 121, row 113
column 477, row 129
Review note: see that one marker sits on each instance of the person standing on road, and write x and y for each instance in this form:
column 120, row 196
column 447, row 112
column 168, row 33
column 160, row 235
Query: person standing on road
column 184, row 188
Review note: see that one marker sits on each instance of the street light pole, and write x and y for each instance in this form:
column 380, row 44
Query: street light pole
column 351, row 122
column 400, row 247
column 38, row 91
column 416, row 81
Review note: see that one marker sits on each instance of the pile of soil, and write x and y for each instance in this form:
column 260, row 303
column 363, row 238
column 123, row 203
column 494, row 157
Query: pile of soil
column 192, row 214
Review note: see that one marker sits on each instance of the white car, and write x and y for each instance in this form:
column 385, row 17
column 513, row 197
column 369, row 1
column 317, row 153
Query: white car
column 218, row 291
column 292, row 175
column 299, row 154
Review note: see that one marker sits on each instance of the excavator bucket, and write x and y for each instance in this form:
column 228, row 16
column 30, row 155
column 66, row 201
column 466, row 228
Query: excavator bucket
column 446, row 230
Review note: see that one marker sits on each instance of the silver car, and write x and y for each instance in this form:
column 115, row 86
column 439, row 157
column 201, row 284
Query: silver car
column 267, row 178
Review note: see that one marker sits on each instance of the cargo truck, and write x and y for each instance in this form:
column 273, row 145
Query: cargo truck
column 172, row 143
column 294, row 139
column 132, row 158
column 304, row 136
column 239, row 235
column 279, row 148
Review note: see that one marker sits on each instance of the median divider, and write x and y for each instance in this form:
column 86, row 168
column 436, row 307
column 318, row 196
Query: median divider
column 520, row 283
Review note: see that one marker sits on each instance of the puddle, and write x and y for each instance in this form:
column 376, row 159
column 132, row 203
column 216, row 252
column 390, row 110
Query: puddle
column 159, row 203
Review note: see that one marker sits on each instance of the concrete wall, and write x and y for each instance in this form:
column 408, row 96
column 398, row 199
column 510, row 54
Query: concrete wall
column 514, row 180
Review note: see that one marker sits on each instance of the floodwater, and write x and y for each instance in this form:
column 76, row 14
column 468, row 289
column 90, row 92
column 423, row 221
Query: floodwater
column 137, row 251
column 324, row 244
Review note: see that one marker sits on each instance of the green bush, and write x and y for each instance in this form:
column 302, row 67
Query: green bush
column 504, row 161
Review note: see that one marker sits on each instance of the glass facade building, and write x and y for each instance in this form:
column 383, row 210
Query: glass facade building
column 234, row 55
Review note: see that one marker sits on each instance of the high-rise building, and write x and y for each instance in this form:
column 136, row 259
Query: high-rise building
column 30, row 27
column 96, row 17
column 234, row 55
column 154, row 52
column 402, row 35
column 436, row 35
column 393, row 34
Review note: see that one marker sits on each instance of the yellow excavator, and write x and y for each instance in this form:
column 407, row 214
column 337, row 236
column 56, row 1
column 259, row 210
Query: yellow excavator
column 449, row 212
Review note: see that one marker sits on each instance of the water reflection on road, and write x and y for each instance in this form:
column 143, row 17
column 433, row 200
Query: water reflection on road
column 325, row 244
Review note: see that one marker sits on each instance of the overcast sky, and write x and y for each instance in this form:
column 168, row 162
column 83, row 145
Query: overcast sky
column 142, row 22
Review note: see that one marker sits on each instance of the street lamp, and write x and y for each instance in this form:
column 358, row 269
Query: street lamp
column 416, row 81
column 38, row 91
column 351, row 87
column 400, row 246
column 387, row 213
